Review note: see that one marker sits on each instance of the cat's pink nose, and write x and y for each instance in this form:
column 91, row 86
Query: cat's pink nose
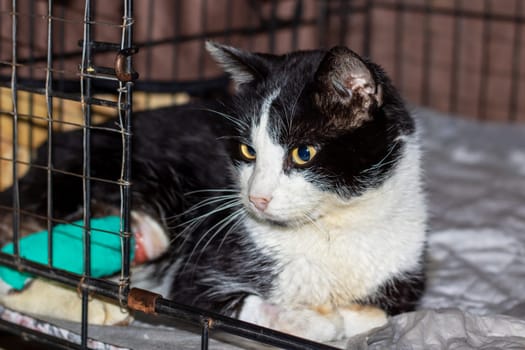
column 260, row 203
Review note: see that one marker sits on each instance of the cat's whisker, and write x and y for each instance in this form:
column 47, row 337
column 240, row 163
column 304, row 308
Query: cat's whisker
column 325, row 174
column 226, row 222
column 192, row 224
column 240, row 218
column 209, row 201
column 221, row 225
column 317, row 226
column 249, row 112
column 238, row 122
column 211, row 190
column 189, row 229
column 203, row 203
column 382, row 162
column 378, row 166
column 227, row 205
column 292, row 114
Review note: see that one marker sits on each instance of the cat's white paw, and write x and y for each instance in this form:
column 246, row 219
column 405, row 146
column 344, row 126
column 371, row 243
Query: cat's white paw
column 305, row 323
column 362, row 318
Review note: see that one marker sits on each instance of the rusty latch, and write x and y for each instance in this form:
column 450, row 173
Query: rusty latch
column 142, row 300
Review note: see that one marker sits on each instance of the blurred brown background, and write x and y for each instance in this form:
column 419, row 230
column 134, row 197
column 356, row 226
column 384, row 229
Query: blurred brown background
column 465, row 57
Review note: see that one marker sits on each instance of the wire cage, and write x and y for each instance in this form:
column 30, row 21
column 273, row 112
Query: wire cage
column 71, row 64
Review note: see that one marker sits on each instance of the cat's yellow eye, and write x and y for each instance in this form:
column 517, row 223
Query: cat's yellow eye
column 303, row 155
column 247, row 152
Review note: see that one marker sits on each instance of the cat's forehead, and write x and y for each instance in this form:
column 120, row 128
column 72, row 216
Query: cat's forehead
column 286, row 115
column 285, row 87
column 286, row 98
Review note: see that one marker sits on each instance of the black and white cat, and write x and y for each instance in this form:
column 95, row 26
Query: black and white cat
column 296, row 204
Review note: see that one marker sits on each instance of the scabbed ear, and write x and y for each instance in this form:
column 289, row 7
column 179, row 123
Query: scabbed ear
column 243, row 66
column 347, row 86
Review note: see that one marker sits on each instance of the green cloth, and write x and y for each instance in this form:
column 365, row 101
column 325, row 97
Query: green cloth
column 68, row 250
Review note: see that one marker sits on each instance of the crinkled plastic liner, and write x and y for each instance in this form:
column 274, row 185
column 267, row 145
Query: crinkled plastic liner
column 445, row 329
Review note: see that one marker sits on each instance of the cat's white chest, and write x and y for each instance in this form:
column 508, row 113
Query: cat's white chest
column 341, row 264
column 316, row 269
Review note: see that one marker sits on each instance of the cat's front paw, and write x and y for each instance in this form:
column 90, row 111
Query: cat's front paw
column 362, row 318
column 305, row 323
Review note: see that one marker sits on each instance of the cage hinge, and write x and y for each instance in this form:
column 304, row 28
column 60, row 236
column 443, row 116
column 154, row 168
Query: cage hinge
column 142, row 300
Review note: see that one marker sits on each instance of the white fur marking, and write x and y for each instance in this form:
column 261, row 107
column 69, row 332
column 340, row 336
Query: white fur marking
column 261, row 179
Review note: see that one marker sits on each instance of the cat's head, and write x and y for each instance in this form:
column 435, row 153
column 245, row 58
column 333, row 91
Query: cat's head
column 314, row 129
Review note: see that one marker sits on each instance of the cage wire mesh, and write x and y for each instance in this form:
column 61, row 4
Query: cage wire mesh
column 70, row 65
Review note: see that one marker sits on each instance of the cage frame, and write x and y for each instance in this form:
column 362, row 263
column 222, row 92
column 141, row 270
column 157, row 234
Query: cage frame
column 92, row 77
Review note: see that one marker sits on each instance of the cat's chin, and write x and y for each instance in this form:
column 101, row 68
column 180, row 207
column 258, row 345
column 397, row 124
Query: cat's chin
column 268, row 219
column 272, row 220
column 280, row 223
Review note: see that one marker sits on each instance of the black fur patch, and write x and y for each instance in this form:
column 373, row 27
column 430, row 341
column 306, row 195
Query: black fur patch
column 401, row 294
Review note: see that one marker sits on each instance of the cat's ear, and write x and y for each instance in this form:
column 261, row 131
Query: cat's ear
column 346, row 81
column 243, row 66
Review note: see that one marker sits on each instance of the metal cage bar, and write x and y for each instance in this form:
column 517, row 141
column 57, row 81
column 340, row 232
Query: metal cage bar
column 398, row 44
column 486, row 39
column 14, row 96
column 456, row 57
column 86, row 93
column 427, row 58
column 49, row 107
column 516, row 59
column 125, row 100
column 31, row 73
